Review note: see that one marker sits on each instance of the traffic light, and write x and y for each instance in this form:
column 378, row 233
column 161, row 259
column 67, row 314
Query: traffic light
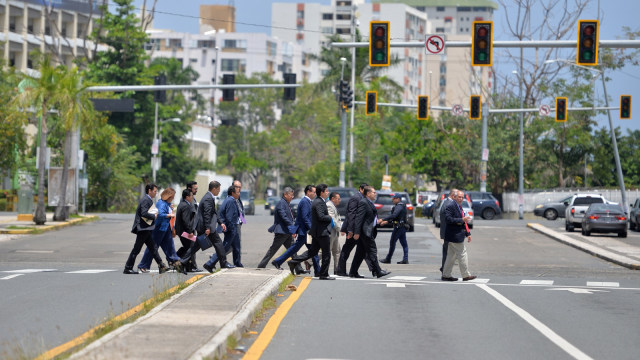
column 346, row 95
column 379, row 43
column 423, row 107
column 561, row 109
column 289, row 93
column 587, row 42
column 482, row 43
column 625, row 107
column 228, row 94
column 475, row 107
column 160, row 96
column 372, row 103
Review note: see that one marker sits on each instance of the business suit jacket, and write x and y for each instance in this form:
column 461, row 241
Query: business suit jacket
column 443, row 217
column 303, row 220
column 184, row 217
column 142, row 211
column 365, row 216
column 320, row 218
column 282, row 218
column 207, row 214
column 352, row 207
column 229, row 213
column 335, row 215
column 455, row 231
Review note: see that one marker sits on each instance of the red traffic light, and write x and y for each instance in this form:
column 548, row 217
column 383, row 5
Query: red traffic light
column 379, row 43
column 379, row 31
column 481, row 43
column 625, row 107
column 587, row 42
column 561, row 109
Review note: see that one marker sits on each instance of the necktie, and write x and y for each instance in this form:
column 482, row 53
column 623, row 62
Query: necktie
column 465, row 224
column 242, row 220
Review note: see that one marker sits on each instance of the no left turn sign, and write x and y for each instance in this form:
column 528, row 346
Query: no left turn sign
column 544, row 110
column 457, row 110
column 434, row 44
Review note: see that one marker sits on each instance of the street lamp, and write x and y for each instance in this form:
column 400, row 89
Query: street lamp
column 613, row 134
column 343, row 134
column 521, row 162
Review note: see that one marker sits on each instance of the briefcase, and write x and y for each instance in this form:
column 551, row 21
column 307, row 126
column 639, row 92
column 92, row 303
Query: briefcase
column 204, row 242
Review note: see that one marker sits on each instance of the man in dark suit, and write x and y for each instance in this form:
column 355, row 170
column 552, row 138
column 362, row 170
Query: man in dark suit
column 143, row 224
column 302, row 224
column 281, row 228
column 443, row 225
column 184, row 224
column 364, row 231
column 347, row 228
column 207, row 224
column 320, row 232
column 230, row 217
column 457, row 229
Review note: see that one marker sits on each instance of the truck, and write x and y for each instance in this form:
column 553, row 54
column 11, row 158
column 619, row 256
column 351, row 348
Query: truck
column 576, row 207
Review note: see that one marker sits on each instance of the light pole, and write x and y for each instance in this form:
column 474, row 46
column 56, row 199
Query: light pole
column 521, row 162
column 155, row 148
column 343, row 133
column 613, row 134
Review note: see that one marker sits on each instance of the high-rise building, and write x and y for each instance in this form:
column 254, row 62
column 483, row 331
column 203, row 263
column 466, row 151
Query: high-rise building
column 217, row 17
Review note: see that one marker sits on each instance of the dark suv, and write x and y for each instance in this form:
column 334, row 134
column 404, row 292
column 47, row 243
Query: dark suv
column 384, row 204
column 484, row 204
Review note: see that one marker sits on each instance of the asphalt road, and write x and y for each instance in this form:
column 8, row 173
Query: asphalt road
column 76, row 281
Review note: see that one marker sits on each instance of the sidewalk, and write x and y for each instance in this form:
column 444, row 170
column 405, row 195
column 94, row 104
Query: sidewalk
column 194, row 323
column 607, row 248
column 9, row 223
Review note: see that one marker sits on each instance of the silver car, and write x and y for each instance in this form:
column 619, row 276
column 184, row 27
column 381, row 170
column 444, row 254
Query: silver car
column 465, row 207
column 384, row 204
column 604, row 218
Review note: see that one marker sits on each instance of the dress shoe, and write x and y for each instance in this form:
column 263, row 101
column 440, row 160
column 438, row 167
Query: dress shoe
column 129, row 271
column 469, row 278
column 357, row 276
column 227, row 266
column 274, row 263
column 208, row 268
column 195, row 270
column 386, row 261
column 382, row 273
column 292, row 267
column 342, row 274
column 403, row 262
column 326, row 278
column 163, row 269
column 239, row 265
column 444, row 278
column 302, row 272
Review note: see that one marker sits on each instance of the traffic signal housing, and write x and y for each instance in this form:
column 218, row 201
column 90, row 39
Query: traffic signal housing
column 160, row 96
column 346, row 95
column 228, row 94
column 475, row 107
column 587, row 42
column 482, row 43
column 423, row 107
column 372, row 103
column 561, row 109
column 625, row 107
column 289, row 93
column 379, row 43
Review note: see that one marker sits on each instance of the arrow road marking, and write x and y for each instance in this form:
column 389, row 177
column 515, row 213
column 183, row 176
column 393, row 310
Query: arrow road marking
column 407, row 278
column 579, row 291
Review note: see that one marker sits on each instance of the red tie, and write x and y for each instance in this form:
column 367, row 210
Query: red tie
column 465, row 224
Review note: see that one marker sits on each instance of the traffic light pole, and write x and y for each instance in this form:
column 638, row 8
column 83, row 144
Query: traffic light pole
column 484, row 155
column 343, row 134
column 615, row 147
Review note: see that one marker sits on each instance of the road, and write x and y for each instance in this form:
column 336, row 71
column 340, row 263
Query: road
column 76, row 281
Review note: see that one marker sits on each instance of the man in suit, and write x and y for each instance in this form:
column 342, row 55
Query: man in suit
column 143, row 224
column 184, row 224
column 191, row 266
column 457, row 230
column 320, row 233
column 281, row 228
column 364, row 231
column 302, row 225
column 398, row 218
column 347, row 228
column 207, row 224
column 334, row 200
column 230, row 217
column 443, row 225
column 243, row 219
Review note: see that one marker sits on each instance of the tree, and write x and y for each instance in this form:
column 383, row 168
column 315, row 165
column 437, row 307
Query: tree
column 12, row 127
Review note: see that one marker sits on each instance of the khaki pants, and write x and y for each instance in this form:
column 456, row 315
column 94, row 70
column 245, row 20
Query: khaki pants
column 456, row 251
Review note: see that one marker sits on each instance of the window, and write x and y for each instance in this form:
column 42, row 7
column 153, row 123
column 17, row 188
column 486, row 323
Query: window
column 206, row 44
column 152, row 44
column 235, row 44
column 300, row 14
column 464, row 8
column 440, row 30
column 328, row 16
column 440, row 8
column 448, row 19
column 233, row 65
column 175, row 43
column 343, row 31
column 343, row 16
column 443, row 68
column 327, row 30
column 271, row 48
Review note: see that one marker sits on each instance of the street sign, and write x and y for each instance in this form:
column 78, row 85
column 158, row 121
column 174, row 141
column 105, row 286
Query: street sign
column 434, row 44
column 457, row 110
column 544, row 110
column 386, row 182
column 154, row 147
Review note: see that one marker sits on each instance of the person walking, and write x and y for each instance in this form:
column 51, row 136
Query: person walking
column 347, row 228
column 443, row 225
column 320, row 234
column 143, row 224
column 230, row 217
column 184, row 224
column 398, row 218
column 191, row 265
column 334, row 201
column 457, row 230
column 364, row 231
column 281, row 228
column 163, row 233
column 243, row 219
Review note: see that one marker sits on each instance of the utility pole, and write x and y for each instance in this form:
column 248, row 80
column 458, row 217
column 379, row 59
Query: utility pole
column 343, row 133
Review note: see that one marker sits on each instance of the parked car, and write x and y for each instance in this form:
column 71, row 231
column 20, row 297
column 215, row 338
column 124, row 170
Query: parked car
column 270, row 204
column 294, row 206
column 427, row 209
column 384, row 204
column 345, row 195
column 247, row 202
column 604, row 218
column 465, row 207
column 551, row 210
column 484, row 204
column 577, row 206
column 634, row 216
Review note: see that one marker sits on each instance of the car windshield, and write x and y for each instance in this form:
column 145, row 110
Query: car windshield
column 384, row 199
column 465, row 204
column 244, row 194
column 605, row 207
column 587, row 200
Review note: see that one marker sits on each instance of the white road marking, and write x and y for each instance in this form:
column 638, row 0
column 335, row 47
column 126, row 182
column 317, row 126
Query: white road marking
column 89, row 271
column 579, row 291
column 407, row 278
column 35, row 251
column 479, row 281
column 605, row 284
column 395, row 285
column 29, row 271
column 542, row 328
column 11, row 276
column 536, row 282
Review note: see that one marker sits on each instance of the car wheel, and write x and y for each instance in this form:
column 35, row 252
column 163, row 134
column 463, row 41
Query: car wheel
column 550, row 214
column 632, row 225
column 488, row 213
column 568, row 227
column 586, row 232
column 622, row 234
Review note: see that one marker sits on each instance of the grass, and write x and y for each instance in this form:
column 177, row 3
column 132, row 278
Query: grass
column 18, row 227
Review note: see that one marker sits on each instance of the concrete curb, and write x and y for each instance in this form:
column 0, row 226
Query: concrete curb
column 41, row 228
column 588, row 248
column 217, row 346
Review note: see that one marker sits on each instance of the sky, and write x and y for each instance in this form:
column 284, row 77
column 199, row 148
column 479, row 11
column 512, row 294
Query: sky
column 255, row 16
